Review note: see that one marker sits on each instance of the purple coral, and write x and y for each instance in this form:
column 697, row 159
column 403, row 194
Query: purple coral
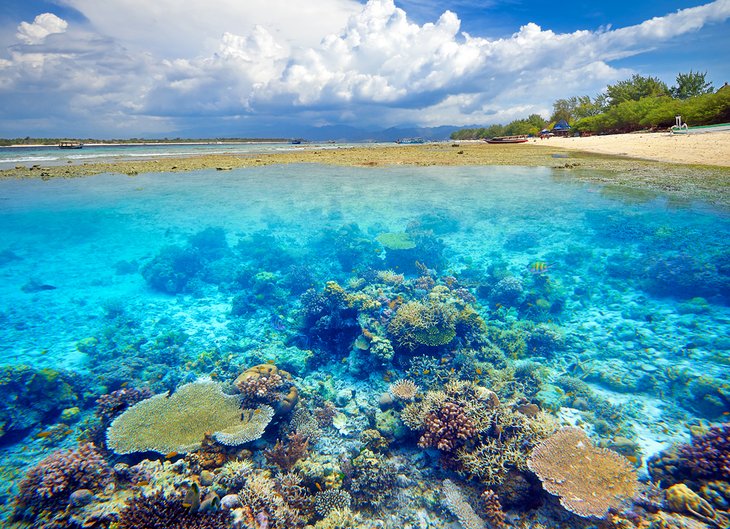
column 708, row 455
column 109, row 405
column 160, row 511
column 446, row 427
column 49, row 484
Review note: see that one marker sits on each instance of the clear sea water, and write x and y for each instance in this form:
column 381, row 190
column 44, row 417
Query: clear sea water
column 52, row 155
column 636, row 286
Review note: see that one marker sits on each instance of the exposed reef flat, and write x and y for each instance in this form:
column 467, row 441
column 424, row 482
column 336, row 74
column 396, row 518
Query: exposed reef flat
column 680, row 181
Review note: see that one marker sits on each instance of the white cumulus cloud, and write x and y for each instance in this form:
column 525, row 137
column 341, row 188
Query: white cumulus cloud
column 166, row 64
column 44, row 24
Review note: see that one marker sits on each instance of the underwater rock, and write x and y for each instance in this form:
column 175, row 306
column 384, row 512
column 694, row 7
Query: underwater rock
column 388, row 423
column 81, row 497
column 508, row 291
column 35, row 397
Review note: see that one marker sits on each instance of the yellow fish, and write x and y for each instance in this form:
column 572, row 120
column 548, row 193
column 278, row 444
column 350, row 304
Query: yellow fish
column 538, row 267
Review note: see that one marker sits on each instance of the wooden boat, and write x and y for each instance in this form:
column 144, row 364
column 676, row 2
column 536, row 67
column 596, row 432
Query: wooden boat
column 522, row 138
column 70, row 145
column 410, row 141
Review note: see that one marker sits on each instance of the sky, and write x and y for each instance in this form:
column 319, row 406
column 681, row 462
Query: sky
column 255, row 68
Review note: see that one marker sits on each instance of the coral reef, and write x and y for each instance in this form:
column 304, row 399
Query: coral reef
column 707, row 456
column 111, row 405
column 286, row 455
column 369, row 478
column 571, row 468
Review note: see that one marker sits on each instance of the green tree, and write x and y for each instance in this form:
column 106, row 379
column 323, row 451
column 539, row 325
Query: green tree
column 638, row 87
column 691, row 84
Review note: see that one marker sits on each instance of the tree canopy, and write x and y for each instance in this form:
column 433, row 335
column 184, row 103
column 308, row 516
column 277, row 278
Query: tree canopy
column 633, row 104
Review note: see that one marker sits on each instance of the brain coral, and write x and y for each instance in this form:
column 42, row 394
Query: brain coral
column 178, row 422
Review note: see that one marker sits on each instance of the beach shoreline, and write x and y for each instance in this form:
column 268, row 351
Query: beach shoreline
column 651, row 162
column 711, row 148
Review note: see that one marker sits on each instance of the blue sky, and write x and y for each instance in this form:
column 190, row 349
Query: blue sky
column 124, row 68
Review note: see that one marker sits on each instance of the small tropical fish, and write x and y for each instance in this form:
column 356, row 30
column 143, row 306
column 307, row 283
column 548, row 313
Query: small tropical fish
column 171, row 455
column 538, row 267
column 143, row 483
column 278, row 323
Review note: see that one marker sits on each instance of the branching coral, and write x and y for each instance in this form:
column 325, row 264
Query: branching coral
column 110, row 405
column 179, row 422
column 446, row 427
column 588, row 480
column 708, row 455
column 49, row 484
column 371, row 478
column 286, row 455
column 261, row 497
column 331, row 499
column 160, row 511
column 268, row 384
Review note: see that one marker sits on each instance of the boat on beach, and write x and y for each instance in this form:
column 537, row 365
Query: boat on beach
column 410, row 141
column 70, row 145
column 521, row 138
column 684, row 129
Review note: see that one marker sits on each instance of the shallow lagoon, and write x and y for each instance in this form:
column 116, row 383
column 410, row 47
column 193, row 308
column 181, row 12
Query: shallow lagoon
column 617, row 289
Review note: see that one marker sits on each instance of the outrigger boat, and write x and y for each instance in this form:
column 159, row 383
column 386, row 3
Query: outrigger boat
column 70, row 145
column 522, row 138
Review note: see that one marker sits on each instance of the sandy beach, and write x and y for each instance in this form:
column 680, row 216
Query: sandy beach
column 699, row 149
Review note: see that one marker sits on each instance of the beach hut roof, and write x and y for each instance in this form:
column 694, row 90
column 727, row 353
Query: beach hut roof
column 561, row 125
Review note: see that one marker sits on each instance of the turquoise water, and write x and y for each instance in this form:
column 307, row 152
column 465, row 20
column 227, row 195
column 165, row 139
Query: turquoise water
column 607, row 308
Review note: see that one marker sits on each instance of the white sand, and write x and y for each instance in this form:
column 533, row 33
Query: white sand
column 705, row 149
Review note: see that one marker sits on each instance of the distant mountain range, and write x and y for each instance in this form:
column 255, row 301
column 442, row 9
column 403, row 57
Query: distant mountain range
column 339, row 133
column 344, row 133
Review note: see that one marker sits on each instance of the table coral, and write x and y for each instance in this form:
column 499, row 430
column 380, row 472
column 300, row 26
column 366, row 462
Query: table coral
column 179, row 422
column 589, row 480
